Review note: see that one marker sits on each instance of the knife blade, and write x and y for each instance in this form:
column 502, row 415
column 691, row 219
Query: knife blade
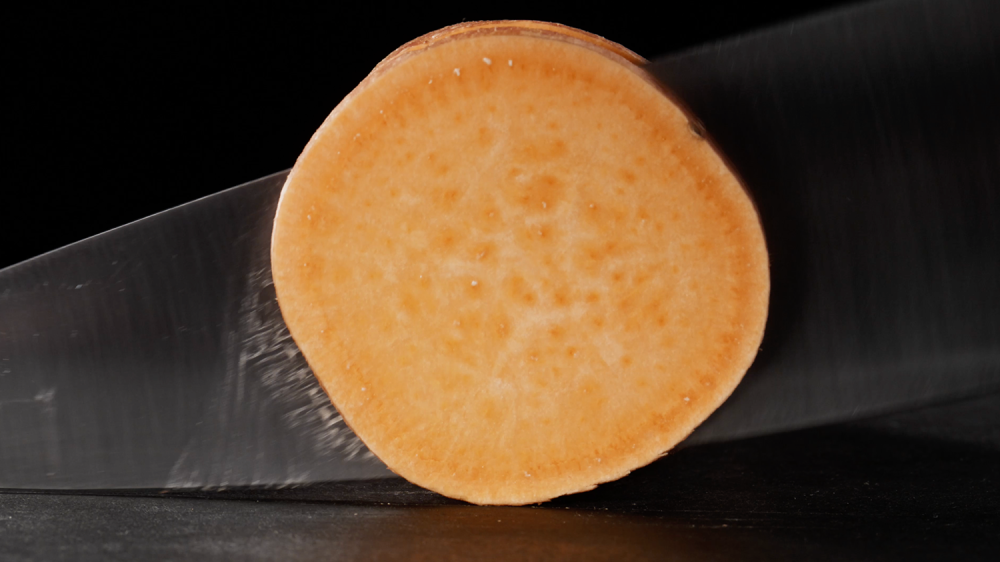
column 154, row 355
column 870, row 141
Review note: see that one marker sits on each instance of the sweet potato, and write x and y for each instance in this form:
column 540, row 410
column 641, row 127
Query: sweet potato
column 515, row 267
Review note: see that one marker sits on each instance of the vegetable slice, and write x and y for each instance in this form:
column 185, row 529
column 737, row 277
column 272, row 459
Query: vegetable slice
column 514, row 267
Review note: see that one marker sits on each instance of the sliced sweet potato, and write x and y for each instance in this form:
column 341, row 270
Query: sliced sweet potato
column 514, row 267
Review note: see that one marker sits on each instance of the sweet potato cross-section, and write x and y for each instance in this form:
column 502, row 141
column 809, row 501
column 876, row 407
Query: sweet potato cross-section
column 513, row 266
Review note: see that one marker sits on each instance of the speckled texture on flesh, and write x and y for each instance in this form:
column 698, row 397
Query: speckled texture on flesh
column 514, row 268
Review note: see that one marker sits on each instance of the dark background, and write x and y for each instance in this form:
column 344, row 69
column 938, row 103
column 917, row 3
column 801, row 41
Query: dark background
column 115, row 112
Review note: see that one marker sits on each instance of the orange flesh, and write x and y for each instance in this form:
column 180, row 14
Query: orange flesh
column 515, row 270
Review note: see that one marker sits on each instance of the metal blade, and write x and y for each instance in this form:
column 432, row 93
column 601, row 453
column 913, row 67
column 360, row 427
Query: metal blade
column 154, row 355
column 870, row 140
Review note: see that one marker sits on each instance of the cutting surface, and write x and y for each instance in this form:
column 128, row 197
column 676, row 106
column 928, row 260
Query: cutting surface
column 917, row 486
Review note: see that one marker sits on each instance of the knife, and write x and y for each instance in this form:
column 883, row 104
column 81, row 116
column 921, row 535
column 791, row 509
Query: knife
column 154, row 355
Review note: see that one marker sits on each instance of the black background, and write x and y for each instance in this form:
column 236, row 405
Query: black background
column 115, row 112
